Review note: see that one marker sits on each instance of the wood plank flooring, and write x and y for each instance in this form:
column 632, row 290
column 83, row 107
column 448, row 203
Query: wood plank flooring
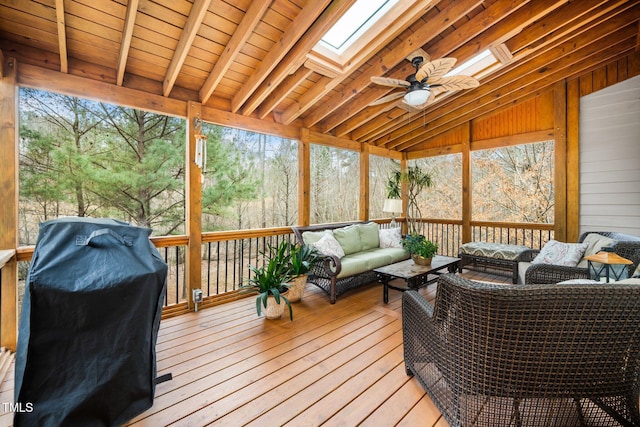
column 334, row 365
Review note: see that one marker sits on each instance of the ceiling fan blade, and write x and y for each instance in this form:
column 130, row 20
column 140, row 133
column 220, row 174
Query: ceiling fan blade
column 388, row 81
column 435, row 69
column 388, row 98
column 458, row 82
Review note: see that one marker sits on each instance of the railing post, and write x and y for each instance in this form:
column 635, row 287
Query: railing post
column 193, row 201
column 364, row 183
column 466, row 184
column 9, row 197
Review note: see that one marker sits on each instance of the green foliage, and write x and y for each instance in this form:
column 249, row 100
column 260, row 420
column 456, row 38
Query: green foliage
column 228, row 176
column 417, row 180
column 514, row 184
column 302, row 259
column 142, row 163
column 419, row 245
column 272, row 277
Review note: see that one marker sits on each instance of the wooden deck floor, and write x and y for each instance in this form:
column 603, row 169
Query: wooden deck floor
column 334, row 365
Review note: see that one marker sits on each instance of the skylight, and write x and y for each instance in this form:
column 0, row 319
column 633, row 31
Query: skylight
column 358, row 19
column 476, row 66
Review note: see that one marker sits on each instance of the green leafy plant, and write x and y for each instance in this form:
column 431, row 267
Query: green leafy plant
column 416, row 180
column 417, row 244
column 272, row 277
column 302, row 259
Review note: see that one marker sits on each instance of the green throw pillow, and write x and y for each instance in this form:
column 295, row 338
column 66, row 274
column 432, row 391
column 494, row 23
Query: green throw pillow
column 349, row 239
column 369, row 235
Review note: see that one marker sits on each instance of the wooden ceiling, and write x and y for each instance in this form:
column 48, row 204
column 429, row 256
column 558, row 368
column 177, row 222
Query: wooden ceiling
column 253, row 58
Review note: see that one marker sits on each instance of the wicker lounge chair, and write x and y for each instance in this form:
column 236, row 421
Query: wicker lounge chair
column 540, row 355
column 625, row 245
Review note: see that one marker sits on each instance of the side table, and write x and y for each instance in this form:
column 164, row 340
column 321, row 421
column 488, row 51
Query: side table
column 605, row 270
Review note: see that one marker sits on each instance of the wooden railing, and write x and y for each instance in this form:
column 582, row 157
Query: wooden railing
column 227, row 255
column 448, row 233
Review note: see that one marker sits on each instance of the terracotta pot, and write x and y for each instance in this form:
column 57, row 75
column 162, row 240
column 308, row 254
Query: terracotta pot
column 421, row 260
column 273, row 310
column 296, row 288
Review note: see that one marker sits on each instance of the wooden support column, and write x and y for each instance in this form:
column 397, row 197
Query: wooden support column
column 9, row 196
column 466, row 183
column 364, row 183
column 560, row 177
column 304, row 178
column 573, row 160
column 193, row 201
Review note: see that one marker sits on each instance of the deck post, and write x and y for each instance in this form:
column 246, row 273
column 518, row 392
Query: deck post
column 9, row 197
column 364, row 183
column 193, row 202
column 304, row 178
column 466, row 183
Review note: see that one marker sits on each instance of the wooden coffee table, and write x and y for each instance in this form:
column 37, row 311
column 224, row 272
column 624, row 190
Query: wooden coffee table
column 414, row 275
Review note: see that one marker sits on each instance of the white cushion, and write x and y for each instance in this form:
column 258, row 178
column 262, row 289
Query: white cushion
column 328, row 245
column 559, row 253
column 579, row 282
column 390, row 237
column 596, row 242
column 631, row 281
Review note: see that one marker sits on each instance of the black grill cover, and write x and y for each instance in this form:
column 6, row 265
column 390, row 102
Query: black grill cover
column 89, row 324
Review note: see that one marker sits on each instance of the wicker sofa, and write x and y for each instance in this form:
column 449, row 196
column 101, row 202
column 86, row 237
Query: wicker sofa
column 539, row 355
column 361, row 244
column 625, row 245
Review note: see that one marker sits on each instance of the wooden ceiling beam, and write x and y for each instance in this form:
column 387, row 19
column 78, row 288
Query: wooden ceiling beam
column 363, row 115
column 526, row 17
column 298, row 54
column 565, row 21
column 240, row 35
column 496, row 12
column 575, row 54
column 125, row 44
column 68, row 84
column 62, row 36
column 374, row 128
column 198, row 10
column 276, row 55
column 283, row 90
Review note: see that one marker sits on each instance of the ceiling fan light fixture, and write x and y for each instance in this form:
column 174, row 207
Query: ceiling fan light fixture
column 417, row 96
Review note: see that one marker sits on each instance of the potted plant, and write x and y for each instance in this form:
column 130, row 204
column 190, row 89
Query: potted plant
column 270, row 281
column 301, row 260
column 416, row 180
column 421, row 249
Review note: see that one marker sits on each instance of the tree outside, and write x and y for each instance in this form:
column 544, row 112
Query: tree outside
column 85, row 158
column 443, row 200
column 251, row 180
column 380, row 169
column 514, row 184
column 335, row 184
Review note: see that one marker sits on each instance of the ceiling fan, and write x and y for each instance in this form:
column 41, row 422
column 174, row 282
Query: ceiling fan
column 426, row 83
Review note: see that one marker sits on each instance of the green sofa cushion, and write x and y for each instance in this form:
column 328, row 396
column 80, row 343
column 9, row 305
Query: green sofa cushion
column 349, row 238
column 311, row 237
column 360, row 262
column 369, row 236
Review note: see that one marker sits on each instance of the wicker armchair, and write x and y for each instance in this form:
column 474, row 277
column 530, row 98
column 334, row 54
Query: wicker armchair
column 540, row 355
column 625, row 245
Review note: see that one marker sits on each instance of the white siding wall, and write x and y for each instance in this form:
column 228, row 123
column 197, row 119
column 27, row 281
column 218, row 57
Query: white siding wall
column 610, row 159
